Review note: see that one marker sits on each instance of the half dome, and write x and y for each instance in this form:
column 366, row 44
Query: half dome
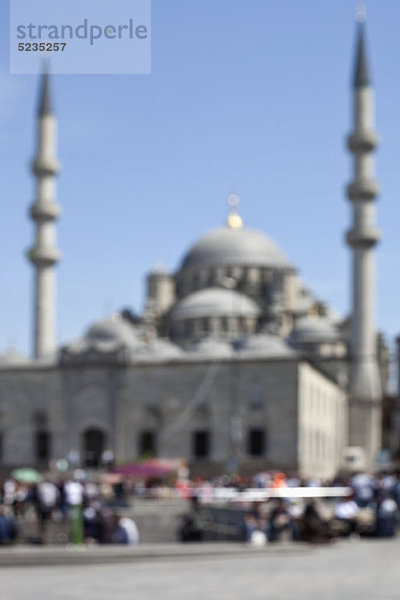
column 212, row 347
column 158, row 348
column 215, row 302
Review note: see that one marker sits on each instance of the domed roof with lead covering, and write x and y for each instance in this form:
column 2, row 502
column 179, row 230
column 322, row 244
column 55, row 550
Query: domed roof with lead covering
column 266, row 345
column 228, row 246
column 214, row 302
column 212, row 346
column 114, row 329
column 158, row 348
column 314, row 329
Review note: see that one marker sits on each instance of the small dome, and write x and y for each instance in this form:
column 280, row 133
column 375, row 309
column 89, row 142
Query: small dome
column 12, row 357
column 158, row 348
column 266, row 345
column 227, row 246
column 314, row 329
column 212, row 346
column 113, row 330
column 214, row 302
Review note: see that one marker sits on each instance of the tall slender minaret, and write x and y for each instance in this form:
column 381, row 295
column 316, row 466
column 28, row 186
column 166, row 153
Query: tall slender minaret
column 365, row 385
column 44, row 254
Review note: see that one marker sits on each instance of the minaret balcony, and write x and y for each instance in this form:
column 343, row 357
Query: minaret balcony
column 363, row 239
column 45, row 211
column 365, row 141
column 44, row 256
column 364, row 189
column 45, row 166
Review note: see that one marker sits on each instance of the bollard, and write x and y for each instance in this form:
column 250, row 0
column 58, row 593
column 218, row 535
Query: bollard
column 77, row 525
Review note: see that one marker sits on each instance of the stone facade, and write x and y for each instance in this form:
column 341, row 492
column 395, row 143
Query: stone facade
column 247, row 409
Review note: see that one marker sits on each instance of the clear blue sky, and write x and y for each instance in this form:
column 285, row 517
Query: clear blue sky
column 246, row 97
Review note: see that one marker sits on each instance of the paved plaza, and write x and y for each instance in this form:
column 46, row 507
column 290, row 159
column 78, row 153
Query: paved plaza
column 367, row 570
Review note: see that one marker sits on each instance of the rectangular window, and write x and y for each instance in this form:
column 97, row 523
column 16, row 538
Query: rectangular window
column 256, row 442
column 256, row 397
column 201, row 444
column 42, row 446
column 147, row 443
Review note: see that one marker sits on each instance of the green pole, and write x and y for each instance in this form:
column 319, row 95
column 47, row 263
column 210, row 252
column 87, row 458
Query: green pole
column 77, row 526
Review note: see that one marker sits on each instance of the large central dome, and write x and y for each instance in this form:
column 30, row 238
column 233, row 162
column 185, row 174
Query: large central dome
column 227, row 246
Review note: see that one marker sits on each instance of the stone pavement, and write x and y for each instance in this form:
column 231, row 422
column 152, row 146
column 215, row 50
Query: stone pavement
column 349, row 570
column 37, row 556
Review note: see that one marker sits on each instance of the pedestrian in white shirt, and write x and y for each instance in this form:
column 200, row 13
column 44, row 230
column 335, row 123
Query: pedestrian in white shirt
column 73, row 491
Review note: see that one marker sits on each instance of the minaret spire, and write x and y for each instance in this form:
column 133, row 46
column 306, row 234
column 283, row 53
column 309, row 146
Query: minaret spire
column 361, row 75
column 45, row 107
column 44, row 253
column 365, row 385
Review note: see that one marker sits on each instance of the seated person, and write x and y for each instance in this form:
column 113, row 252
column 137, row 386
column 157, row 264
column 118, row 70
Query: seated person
column 280, row 520
column 8, row 527
column 193, row 525
column 314, row 528
column 125, row 531
column 255, row 522
column 386, row 516
column 347, row 511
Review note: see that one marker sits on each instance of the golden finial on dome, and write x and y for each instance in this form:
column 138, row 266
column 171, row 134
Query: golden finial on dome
column 234, row 220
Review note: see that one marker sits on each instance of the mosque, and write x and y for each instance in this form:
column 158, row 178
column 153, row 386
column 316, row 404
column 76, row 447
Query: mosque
column 233, row 364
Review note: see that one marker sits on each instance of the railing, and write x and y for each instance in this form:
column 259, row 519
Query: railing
column 256, row 494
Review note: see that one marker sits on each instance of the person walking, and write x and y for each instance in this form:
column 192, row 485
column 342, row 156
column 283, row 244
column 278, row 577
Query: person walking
column 46, row 501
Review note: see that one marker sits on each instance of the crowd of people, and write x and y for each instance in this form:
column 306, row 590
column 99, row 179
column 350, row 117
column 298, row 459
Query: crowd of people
column 315, row 521
column 97, row 510
column 88, row 507
column 369, row 507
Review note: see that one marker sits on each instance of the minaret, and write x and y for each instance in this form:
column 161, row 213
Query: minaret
column 44, row 254
column 365, row 385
